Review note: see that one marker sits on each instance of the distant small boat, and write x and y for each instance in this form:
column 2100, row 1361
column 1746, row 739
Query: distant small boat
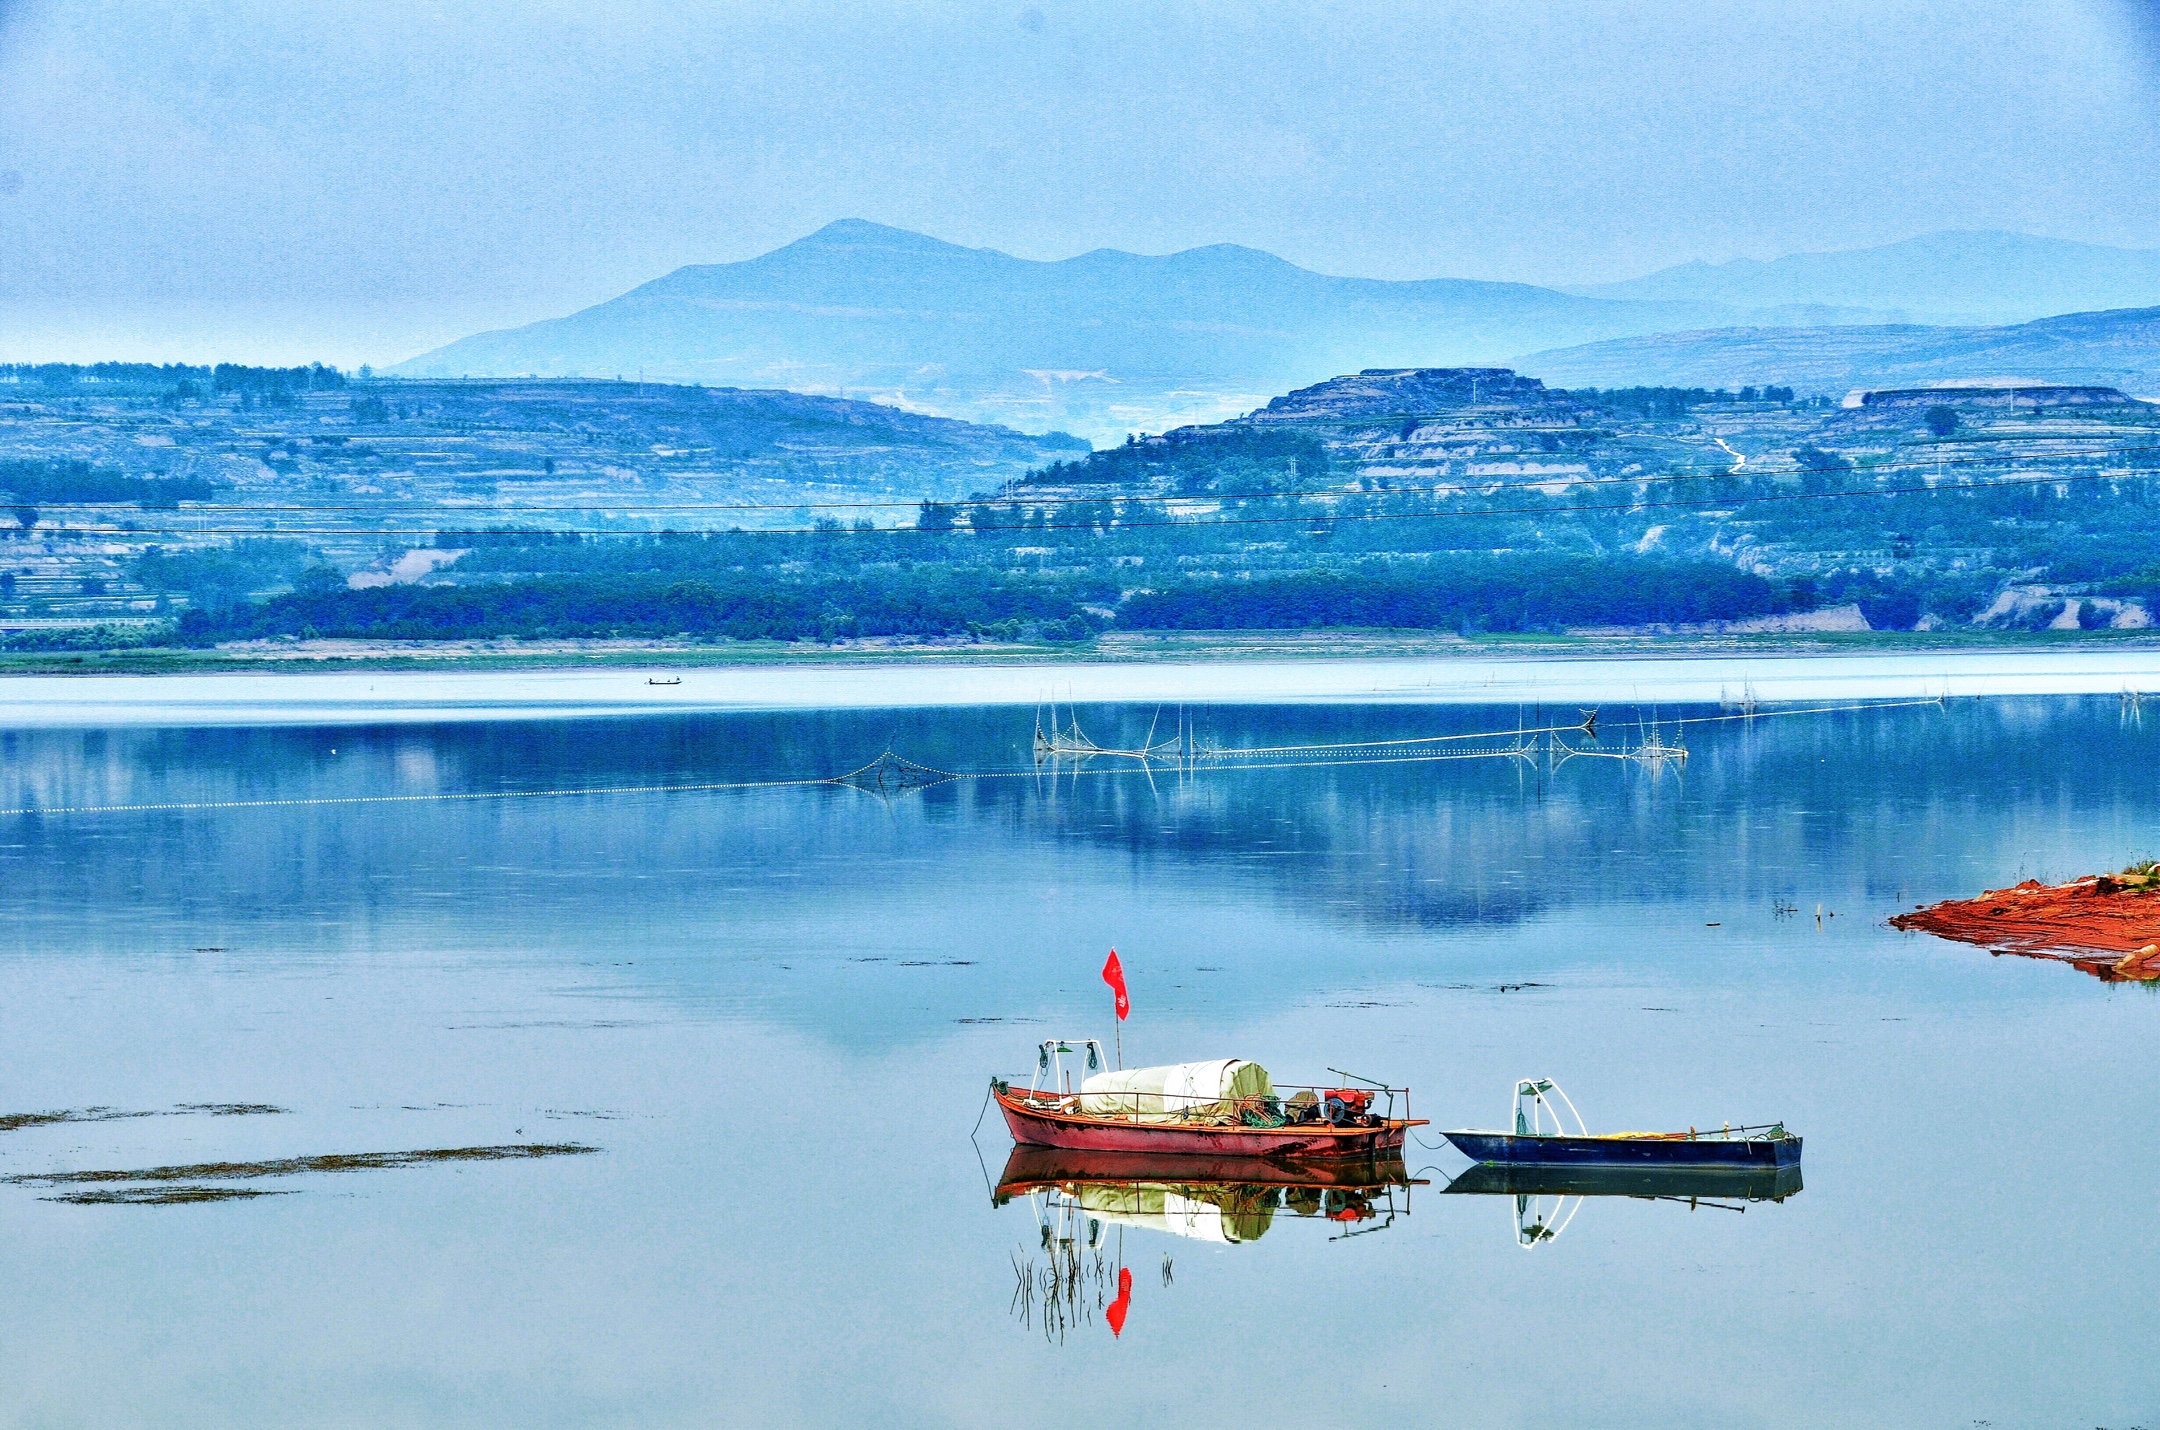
column 1765, row 1146
column 676, row 680
column 1224, row 1108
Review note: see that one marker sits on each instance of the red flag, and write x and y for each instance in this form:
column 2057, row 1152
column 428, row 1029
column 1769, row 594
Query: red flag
column 1115, row 1311
column 1113, row 973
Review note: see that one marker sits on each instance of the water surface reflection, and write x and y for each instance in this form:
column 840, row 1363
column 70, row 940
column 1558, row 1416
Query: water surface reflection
column 773, row 1010
column 1546, row 1199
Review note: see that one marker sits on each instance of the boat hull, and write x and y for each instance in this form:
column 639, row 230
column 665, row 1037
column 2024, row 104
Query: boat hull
column 1037, row 1126
column 1501, row 1147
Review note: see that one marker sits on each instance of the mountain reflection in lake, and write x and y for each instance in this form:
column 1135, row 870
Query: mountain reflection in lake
column 773, row 1011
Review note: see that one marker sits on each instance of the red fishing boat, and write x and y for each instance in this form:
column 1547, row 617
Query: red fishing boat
column 1224, row 1108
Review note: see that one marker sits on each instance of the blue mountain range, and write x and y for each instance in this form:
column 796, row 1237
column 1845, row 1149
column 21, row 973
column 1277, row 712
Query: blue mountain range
column 1109, row 342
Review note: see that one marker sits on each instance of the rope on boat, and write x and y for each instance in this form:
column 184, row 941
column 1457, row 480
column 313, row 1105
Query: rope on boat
column 984, row 1167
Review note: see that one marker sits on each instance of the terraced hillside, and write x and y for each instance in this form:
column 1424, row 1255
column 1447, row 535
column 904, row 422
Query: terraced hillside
column 1934, row 507
column 281, row 468
column 1453, row 499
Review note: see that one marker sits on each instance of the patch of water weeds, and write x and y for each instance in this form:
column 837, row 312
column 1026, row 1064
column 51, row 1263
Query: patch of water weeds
column 161, row 1196
column 544, row 1023
column 229, row 1109
column 289, row 1167
column 16, row 1121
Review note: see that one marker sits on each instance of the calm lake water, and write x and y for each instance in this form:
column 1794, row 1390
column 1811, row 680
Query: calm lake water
column 774, row 1010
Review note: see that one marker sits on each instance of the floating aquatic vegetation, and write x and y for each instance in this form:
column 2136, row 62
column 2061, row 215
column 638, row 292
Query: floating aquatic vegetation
column 16, row 1121
column 1063, row 1291
column 298, row 1166
column 229, row 1109
column 579, row 1023
column 161, row 1196
column 1485, row 987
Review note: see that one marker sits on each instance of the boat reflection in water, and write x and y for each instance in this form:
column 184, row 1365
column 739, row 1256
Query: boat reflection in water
column 1226, row 1200
column 1548, row 1197
column 1084, row 1201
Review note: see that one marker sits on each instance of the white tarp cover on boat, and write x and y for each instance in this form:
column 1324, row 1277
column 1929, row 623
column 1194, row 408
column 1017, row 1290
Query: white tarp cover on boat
column 1174, row 1092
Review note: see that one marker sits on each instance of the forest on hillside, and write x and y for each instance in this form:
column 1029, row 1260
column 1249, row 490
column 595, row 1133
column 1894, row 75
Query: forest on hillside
column 1636, row 507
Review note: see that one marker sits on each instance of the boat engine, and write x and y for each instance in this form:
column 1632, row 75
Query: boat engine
column 1346, row 1107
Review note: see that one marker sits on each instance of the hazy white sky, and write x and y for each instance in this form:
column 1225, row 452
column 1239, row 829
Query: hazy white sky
column 280, row 181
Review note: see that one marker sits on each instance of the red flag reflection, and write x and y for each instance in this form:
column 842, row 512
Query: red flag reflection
column 1115, row 1314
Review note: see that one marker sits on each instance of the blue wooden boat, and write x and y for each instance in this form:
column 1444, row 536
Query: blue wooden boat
column 1531, row 1144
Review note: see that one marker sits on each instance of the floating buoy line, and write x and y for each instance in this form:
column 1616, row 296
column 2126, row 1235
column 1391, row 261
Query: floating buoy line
column 1067, row 752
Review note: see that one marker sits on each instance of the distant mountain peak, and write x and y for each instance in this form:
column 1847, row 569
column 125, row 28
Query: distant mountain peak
column 861, row 227
column 855, row 235
column 1236, row 252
